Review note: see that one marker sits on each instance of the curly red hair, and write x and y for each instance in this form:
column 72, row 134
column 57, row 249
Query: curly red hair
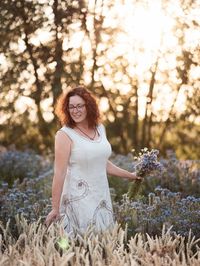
column 62, row 107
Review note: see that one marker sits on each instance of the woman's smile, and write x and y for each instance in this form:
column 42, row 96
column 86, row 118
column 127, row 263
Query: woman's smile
column 76, row 116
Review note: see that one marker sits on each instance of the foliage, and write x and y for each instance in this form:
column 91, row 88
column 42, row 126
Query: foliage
column 31, row 198
column 48, row 46
column 20, row 164
column 172, row 200
column 37, row 245
column 118, row 185
column 183, row 176
column 164, row 208
column 176, row 200
column 183, row 137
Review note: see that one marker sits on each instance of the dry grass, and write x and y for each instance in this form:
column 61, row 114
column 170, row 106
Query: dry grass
column 36, row 245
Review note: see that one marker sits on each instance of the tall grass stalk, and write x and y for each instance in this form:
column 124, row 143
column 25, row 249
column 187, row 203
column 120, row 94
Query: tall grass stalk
column 36, row 245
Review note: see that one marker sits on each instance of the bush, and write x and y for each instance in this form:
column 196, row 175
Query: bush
column 118, row 185
column 164, row 207
column 19, row 165
column 32, row 198
column 147, row 214
column 179, row 176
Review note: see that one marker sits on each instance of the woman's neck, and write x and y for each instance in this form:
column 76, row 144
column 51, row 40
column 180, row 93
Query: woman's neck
column 83, row 125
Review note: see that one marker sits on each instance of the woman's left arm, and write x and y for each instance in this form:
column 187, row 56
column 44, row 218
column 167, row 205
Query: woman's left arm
column 117, row 171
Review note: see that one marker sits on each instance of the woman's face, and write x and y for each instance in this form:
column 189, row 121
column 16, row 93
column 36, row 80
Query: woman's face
column 77, row 109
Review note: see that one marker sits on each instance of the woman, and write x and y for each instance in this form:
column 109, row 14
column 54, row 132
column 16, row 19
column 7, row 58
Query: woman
column 80, row 191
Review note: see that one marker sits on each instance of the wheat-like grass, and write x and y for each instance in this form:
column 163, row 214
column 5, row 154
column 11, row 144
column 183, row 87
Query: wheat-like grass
column 37, row 245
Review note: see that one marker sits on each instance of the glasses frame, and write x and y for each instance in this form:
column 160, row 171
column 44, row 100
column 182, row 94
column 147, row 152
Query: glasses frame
column 78, row 107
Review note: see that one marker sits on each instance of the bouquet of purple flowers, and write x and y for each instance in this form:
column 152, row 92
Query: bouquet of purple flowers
column 147, row 164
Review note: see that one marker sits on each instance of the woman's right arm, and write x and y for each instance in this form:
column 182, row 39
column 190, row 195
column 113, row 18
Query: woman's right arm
column 62, row 154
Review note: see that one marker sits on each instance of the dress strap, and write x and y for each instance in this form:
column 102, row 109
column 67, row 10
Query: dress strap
column 68, row 131
column 73, row 135
column 102, row 128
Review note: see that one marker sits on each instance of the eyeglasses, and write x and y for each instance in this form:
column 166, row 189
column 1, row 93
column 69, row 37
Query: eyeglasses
column 78, row 108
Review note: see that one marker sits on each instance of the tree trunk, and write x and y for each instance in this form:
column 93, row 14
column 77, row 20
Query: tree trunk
column 167, row 122
column 56, row 84
column 147, row 121
column 135, row 121
column 36, row 95
column 149, row 105
column 183, row 74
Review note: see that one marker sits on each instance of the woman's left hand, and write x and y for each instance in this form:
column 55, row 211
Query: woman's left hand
column 135, row 177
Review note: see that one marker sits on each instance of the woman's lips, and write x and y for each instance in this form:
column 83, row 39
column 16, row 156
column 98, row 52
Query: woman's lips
column 76, row 116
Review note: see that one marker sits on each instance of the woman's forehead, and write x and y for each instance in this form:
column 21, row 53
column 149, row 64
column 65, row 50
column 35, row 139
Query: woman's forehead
column 76, row 100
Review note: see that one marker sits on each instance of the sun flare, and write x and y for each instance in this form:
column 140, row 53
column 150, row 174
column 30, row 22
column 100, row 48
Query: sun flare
column 145, row 32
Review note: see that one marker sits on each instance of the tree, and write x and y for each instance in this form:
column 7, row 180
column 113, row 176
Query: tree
column 35, row 68
column 87, row 43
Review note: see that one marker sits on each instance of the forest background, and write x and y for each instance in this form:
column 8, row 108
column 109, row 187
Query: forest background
column 139, row 58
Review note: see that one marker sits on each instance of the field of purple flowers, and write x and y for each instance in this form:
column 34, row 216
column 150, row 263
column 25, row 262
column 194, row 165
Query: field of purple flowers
column 171, row 198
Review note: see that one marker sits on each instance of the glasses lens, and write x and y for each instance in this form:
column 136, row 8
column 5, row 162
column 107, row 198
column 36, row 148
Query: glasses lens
column 78, row 107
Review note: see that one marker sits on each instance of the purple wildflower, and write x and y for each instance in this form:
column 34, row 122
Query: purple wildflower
column 147, row 164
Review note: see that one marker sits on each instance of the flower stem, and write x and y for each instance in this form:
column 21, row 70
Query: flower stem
column 134, row 188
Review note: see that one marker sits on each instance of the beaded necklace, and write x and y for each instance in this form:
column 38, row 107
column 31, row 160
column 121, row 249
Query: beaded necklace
column 92, row 138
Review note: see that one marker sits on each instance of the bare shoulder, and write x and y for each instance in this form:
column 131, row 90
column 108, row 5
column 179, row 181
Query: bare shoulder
column 61, row 138
column 62, row 148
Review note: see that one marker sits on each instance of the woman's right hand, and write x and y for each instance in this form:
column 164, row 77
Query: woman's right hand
column 52, row 216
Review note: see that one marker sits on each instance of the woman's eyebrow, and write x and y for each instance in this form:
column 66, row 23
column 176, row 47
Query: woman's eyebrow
column 76, row 104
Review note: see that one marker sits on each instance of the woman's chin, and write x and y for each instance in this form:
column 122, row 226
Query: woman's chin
column 78, row 119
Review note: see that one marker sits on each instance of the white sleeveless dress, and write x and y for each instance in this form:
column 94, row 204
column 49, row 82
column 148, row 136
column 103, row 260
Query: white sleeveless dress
column 85, row 199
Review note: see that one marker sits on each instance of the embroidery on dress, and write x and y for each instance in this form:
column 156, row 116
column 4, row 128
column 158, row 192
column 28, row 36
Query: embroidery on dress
column 103, row 215
column 70, row 216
